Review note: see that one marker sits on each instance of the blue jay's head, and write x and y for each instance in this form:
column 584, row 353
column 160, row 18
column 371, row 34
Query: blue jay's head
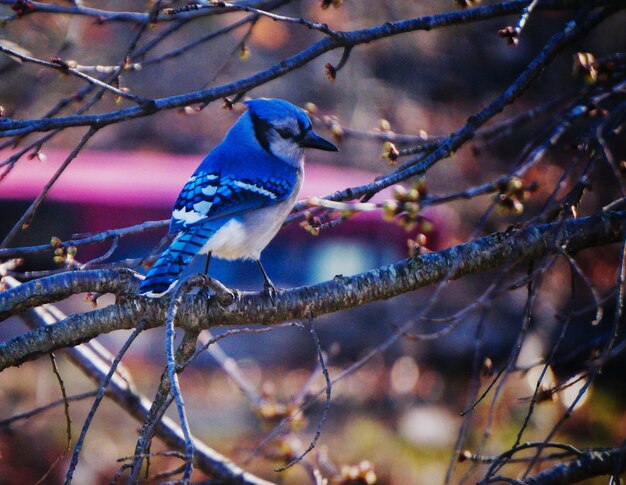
column 284, row 130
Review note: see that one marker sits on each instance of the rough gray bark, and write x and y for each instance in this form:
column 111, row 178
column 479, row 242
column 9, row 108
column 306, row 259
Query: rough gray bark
column 340, row 293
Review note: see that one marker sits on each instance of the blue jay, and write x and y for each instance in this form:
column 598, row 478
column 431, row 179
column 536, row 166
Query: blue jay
column 237, row 199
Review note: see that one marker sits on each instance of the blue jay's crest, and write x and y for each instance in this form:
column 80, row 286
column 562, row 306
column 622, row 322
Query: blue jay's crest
column 272, row 111
column 237, row 199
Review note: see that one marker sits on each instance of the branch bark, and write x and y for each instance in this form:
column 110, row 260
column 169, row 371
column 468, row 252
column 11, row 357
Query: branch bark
column 340, row 293
column 58, row 287
column 591, row 464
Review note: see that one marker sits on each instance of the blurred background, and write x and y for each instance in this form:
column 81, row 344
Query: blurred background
column 400, row 411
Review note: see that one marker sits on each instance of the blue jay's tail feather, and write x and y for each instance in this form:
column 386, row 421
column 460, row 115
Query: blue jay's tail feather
column 163, row 276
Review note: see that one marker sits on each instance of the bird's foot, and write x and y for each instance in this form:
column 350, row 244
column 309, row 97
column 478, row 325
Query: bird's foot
column 270, row 291
column 224, row 299
column 205, row 292
column 225, row 296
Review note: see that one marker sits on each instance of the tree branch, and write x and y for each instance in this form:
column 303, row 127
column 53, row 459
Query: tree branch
column 589, row 465
column 59, row 287
column 12, row 127
column 340, row 293
column 101, row 15
column 101, row 237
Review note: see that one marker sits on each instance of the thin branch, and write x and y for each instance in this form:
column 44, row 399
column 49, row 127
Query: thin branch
column 24, row 221
column 105, row 257
column 100, row 15
column 281, row 18
column 487, row 390
column 101, row 237
column 511, row 34
column 228, row 364
column 504, row 458
column 42, row 409
column 589, row 465
column 161, row 402
column 172, row 372
column 472, row 393
column 12, row 127
column 68, row 421
column 318, row 431
column 96, row 403
column 205, row 38
column 65, row 67
column 430, row 142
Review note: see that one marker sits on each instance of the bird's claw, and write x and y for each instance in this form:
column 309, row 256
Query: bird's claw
column 205, row 292
column 225, row 296
column 270, row 291
column 228, row 297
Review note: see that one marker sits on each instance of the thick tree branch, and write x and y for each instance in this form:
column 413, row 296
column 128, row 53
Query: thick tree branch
column 337, row 294
column 59, row 287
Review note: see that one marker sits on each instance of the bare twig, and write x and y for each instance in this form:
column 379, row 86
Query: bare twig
column 160, row 404
column 42, row 409
column 68, row 67
column 68, row 421
column 281, row 18
column 329, row 386
column 172, row 372
column 96, row 402
column 30, row 212
column 86, row 240
column 101, row 15
column 228, row 364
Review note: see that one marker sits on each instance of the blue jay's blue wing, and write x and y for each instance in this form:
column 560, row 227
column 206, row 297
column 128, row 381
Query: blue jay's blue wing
column 209, row 196
column 195, row 200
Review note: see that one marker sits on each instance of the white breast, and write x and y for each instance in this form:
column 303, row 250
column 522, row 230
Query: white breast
column 246, row 236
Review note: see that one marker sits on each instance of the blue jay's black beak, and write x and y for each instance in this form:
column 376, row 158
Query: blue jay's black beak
column 313, row 140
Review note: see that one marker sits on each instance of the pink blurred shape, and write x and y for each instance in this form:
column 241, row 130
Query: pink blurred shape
column 138, row 178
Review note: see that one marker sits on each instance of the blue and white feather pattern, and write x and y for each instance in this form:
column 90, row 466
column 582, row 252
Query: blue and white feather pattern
column 237, row 199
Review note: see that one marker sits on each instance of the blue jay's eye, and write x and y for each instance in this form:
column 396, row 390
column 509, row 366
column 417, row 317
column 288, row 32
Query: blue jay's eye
column 285, row 133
